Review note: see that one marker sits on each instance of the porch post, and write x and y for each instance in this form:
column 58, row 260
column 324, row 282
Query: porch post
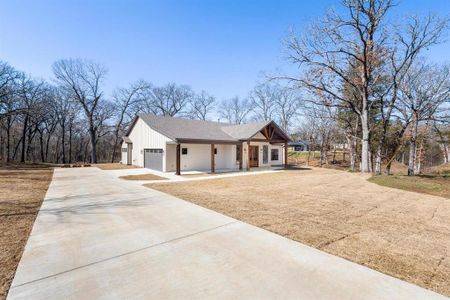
column 212, row 159
column 248, row 155
column 241, row 156
column 285, row 154
column 178, row 160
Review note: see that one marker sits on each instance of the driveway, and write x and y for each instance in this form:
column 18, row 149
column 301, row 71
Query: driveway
column 100, row 237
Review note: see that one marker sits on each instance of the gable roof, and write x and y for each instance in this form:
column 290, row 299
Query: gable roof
column 178, row 129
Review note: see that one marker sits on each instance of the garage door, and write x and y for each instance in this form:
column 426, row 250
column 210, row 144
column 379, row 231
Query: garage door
column 153, row 159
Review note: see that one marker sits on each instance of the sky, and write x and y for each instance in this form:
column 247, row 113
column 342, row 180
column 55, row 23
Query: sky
column 221, row 46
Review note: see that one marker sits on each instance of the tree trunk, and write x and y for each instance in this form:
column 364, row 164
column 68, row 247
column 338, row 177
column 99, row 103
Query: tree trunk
column 351, row 140
column 63, row 141
column 92, row 135
column 365, row 146
column 70, row 143
column 446, row 153
column 412, row 147
column 41, row 146
column 321, row 154
column 378, row 158
column 8, row 139
column 24, row 133
column 116, row 140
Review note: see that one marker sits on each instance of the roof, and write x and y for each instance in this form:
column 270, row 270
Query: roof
column 298, row 143
column 126, row 140
column 179, row 129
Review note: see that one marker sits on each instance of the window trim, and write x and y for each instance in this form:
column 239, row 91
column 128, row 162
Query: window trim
column 272, row 152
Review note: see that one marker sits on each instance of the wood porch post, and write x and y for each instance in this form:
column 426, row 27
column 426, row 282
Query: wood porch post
column 248, row 155
column 212, row 159
column 241, row 157
column 285, row 154
column 178, row 160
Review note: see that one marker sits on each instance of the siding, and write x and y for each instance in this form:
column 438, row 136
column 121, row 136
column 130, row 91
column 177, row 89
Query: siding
column 199, row 157
column 143, row 137
column 123, row 154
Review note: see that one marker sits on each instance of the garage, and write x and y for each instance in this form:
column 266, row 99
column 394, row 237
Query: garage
column 153, row 159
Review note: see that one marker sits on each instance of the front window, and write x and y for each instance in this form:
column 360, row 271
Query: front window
column 274, row 154
column 265, row 154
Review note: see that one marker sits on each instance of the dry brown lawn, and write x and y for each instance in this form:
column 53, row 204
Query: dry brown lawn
column 142, row 177
column 22, row 189
column 115, row 166
column 403, row 234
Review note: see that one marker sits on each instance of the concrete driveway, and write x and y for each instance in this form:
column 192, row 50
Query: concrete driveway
column 100, row 237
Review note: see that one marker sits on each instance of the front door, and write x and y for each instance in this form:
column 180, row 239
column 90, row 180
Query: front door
column 253, row 156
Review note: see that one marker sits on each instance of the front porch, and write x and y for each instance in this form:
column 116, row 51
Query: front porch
column 266, row 148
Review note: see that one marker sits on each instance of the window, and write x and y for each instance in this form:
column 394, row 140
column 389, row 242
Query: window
column 274, row 154
column 184, row 151
column 124, row 150
column 238, row 152
column 265, row 154
column 215, row 150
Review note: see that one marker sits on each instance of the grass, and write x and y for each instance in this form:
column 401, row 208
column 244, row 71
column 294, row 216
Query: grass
column 115, row 166
column 335, row 160
column 142, row 177
column 405, row 235
column 22, row 190
column 426, row 184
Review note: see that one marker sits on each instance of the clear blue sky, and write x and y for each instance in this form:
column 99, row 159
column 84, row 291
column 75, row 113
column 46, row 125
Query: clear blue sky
column 221, row 46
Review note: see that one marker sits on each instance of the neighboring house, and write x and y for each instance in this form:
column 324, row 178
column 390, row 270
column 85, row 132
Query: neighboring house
column 298, row 146
column 174, row 144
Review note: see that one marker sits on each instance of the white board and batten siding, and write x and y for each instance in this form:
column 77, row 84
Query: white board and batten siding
column 198, row 157
column 144, row 137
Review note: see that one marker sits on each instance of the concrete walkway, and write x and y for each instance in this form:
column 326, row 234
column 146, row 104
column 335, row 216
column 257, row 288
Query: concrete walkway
column 100, row 237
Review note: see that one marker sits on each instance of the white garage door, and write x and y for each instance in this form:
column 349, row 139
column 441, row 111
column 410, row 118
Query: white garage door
column 153, row 159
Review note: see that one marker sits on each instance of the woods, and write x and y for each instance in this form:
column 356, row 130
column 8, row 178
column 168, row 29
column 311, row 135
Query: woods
column 72, row 119
column 371, row 72
column 363, row 84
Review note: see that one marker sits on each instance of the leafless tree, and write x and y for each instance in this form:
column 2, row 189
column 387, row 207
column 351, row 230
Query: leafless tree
column 287, row 105
column 201, row 106
column 124, row 99
column 169, row 100
column 234, row 110
column 263, row 99
column 425, row 90
column 82, row 79
column 354, row 48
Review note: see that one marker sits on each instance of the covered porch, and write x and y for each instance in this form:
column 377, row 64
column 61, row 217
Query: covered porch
column 265, row 149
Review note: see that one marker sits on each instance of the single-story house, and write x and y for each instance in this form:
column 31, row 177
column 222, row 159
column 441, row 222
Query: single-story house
column 174, row 144
column 298, row 146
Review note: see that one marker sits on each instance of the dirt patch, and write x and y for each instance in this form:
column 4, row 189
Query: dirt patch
column 403, row 234
column 426, row 184
column 142, row 177
column 22, row 189
column 115, row 166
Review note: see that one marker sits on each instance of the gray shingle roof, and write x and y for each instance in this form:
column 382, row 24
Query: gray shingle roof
column 186, row 129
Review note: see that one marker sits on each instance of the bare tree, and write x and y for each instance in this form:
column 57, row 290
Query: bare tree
column 169, row 100
column 124, row 99
column 82, row 79
column 263, row 99
column 201, row 106
column 425, row 89
column 286, row 107
column 354, row 48
column 235, row 110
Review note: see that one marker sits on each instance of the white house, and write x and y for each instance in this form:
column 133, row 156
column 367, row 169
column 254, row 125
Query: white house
column 174, row 144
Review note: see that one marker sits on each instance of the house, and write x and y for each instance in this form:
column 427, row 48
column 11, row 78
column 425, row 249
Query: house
column 298, row 146
column 171, row 144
